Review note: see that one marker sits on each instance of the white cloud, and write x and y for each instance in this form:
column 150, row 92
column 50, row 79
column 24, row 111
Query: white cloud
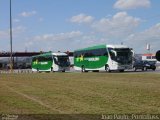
column 151, row 36
column 18, row 38
column 58, row 37
column 131, row 4
column 16, row 20
column 15, row 32
column 81, row 18
column 4, row 34
column 61, row 41
column 112, row 30
column 120, row 25
column 41, row 19
column 118, row 28
column 28, row 14
column 18, row 30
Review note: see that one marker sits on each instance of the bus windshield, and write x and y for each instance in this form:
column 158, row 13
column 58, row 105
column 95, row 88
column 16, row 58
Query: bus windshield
column 62, row 61
column 121, row 55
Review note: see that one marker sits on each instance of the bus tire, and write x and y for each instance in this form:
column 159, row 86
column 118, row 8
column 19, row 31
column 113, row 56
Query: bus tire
column 121, row 70
column 145, row 68
column 51, row 69
column 83, row 69
column 134, row 69
column 107, row 68
column 95, row 71
column 154, row 69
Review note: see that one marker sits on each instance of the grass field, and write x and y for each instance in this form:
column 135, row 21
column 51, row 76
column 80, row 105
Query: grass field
column 80, row 93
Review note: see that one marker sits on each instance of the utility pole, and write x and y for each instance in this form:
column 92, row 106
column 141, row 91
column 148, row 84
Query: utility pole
column 148, row 47
column 11, row 57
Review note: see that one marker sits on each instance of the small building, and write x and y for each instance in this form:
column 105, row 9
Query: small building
column 149, row 57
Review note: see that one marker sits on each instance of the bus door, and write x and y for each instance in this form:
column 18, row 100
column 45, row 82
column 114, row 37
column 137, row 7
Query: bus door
column 55, row 62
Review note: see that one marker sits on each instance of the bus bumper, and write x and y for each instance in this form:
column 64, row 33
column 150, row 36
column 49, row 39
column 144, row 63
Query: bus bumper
column 124, row 67
column 64, row 69
column 121, row 67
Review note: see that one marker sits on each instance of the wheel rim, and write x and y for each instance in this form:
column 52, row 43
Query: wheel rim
column 107, row 69
column 83, row 69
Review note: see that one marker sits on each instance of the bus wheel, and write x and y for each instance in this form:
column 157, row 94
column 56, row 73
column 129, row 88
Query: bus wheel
column 145, row 69
column 95, row 71
column 134, row 69
column 82, row 69
column 63, row 70
column 51, row 69
column 107, row 68
column 121, row 70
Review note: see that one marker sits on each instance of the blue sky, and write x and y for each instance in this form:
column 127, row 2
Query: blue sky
column 52, row 25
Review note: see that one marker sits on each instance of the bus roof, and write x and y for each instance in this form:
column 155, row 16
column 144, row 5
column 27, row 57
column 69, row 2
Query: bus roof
column 93, row 47
column 50, row 54
column 103, row 46
column 59, row 54
column 117, row 46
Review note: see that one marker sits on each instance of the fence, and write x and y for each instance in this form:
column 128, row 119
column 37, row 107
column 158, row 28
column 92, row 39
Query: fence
column 17, row 71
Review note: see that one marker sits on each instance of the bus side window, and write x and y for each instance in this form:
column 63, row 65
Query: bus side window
column 87, row 54
column 40, row 59
column 48, row 58
column 55, row 60
column 75, row 54
column 91, row 53
column 112, row 54
column 34, row 59
column 105, row 53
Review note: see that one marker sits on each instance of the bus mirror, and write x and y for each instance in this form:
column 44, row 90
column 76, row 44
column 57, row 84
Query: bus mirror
column 114, row 52
column 55, row 60
column 132, row 52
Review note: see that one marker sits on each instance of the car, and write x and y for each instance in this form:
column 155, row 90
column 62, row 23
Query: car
column 138, row 65
column 149, row 65
column 144, row 65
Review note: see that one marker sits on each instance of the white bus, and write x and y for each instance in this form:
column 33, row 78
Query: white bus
column 103, row 57
column 51, row 62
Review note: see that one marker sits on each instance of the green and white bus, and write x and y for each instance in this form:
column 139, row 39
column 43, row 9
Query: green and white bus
column 51, row 62
column 103, row 57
